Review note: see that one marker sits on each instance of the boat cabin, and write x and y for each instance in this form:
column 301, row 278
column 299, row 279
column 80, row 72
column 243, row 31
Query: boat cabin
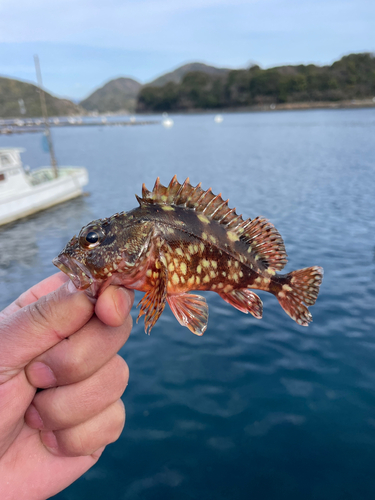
column 12, row 174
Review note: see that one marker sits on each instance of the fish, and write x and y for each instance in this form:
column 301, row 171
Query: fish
column 181, row 239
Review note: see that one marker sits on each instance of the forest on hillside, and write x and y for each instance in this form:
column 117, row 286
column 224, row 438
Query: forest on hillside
column 14, row 92
column 352, row 77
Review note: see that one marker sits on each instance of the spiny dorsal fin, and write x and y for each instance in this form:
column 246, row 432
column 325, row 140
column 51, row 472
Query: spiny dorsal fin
column 260, row 234
column 186, row 195
column 141, row 201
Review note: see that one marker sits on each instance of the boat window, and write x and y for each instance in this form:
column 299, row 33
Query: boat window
column 5, row 159
column 2, row 177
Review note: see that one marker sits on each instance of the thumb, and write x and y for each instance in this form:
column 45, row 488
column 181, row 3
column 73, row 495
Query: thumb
column 36, row 327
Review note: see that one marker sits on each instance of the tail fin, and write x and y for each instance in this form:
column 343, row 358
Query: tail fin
column 298, row 287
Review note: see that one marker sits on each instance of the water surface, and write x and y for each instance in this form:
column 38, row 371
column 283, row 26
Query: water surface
column 253, row 409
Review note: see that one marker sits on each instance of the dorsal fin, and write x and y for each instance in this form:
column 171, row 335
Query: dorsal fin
column 261, row 235
column 265, row 240
column 186, row 195
column 141, row 201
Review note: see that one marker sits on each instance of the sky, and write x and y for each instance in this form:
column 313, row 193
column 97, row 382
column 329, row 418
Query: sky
column 82, row 44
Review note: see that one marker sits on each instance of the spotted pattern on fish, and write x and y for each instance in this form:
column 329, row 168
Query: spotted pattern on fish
column 182, row 238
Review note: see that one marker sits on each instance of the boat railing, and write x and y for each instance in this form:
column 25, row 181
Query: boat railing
column 41, row 176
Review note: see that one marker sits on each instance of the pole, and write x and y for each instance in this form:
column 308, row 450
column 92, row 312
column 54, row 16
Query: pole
column 45, row 117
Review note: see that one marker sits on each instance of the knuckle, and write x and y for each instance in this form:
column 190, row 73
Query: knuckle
column 118, row 420
column 85, row 439
column 73, row 443
column 121, row 373
column 48, row 405
column 40, row 312
column 76, row 362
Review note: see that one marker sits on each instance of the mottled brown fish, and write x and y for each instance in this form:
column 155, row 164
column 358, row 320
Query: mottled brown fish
column 182, row 238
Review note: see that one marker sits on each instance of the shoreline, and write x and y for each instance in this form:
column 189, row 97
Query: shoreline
column 348, row 104
column 287, row 106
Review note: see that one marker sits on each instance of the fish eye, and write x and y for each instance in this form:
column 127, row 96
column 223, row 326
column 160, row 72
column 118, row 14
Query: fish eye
column 90, row 237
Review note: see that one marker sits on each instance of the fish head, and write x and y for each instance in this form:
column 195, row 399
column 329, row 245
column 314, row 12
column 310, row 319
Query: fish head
column 104, row 250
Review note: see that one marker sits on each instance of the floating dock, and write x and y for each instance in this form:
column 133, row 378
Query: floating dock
column 30, row 126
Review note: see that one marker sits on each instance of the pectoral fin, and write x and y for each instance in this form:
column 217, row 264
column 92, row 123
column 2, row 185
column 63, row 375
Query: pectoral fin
column 190, row 310
column 153, row 302
column 244, row 300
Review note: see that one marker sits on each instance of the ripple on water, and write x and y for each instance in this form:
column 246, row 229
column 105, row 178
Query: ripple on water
column 266, row 408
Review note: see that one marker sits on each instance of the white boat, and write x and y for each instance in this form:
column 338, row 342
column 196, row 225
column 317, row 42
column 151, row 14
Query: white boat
column 24, row 192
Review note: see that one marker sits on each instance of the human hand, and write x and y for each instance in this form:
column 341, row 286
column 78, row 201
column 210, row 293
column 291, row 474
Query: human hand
column 54, row 338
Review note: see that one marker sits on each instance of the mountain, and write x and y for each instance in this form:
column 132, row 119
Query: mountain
column 199, row 86
column 177, row 75
column 350, row 78
column 11, row 91
column 121, row 94
column 116, row 95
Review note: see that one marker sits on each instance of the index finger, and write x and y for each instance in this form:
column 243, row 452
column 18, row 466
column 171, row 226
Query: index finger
column 34, row 293
column 37, row 327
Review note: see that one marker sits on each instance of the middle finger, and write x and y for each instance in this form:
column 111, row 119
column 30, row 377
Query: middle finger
column 78, row 357
column 67, row 406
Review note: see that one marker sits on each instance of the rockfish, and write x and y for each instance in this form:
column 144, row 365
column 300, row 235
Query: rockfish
column 182, row 238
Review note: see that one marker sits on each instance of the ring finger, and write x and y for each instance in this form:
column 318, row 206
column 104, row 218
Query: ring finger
column 87, row 437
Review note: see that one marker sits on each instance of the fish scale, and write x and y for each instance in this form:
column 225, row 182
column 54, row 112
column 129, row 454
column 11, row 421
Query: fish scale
column 182, row 238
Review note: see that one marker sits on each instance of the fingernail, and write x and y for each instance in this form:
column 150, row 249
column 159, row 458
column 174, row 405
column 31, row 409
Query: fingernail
column 123, row 302
column 33, row 419
column 127, row 294
column 49, row 440
column 41, row 375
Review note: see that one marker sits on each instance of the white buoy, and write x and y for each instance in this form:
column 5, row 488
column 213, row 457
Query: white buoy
column 218, row 118
column 167, row 123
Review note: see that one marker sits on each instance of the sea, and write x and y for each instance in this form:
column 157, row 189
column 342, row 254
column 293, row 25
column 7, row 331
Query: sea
column 253, row 409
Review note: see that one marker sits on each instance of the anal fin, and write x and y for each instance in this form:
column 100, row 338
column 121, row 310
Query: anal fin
column 245, row 301
column 190, row 311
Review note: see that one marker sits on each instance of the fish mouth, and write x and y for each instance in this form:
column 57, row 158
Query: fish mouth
column 77, row 272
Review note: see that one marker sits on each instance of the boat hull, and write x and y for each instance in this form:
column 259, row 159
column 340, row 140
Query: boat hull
column 45, row 194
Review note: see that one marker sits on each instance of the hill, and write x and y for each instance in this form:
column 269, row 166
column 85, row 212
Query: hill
column 352, row 77
column 116, row 95
column 177, row 75
column 12, row 90
column 200, row 86
column 121, row 94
